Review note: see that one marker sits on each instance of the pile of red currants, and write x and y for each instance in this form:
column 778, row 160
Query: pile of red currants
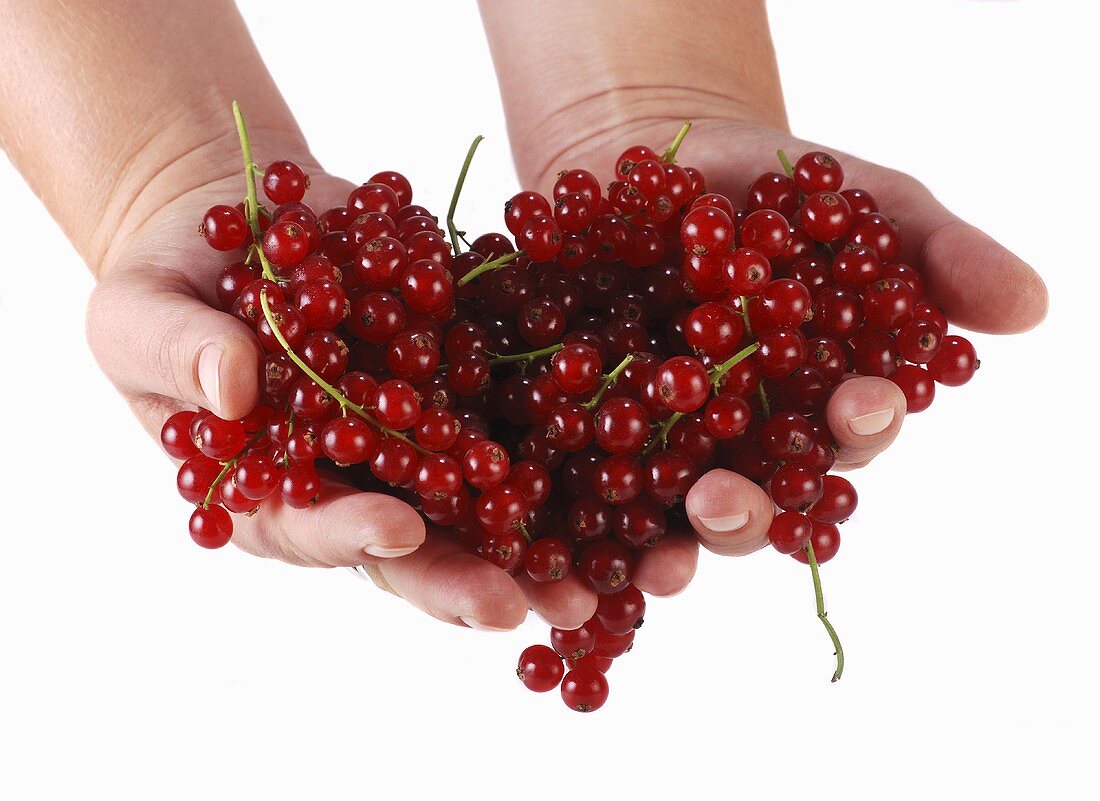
column 551, row 401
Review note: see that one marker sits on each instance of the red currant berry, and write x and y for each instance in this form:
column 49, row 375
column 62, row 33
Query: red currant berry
column 606, row 566
column 838, row 500
column 790, row 531
column 211, row 527
column 917, row 386
column 584, row 689
column 765, row 231
column 285, row 244
column 256, row 477
column 826, row 542
column 818, row 172
column 573, row 643
column 301, row 487
column 622, row 611
column 224, row 228
column 175, row 436
column 955, row 363
column 683, row 384
column 795, row 487
column 540, row 669
column 285, row 182
column 825, row 216
column 548, row 559
column 501, row 508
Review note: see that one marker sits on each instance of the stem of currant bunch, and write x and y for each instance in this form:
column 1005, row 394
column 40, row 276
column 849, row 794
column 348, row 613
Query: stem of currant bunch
column 336, row 394
column 716, row 374
column 608, row 380
column 669, row 156
column 786, row 162
column 456, row 235
column 819, row 597
column 251, row 202
column 526, row 357
column 229, row 465
column 251, row 208
column 759, row 387
column 489, row 266
column 822, row 615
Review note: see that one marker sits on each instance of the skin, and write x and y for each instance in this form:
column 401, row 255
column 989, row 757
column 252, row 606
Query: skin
column 610, row 74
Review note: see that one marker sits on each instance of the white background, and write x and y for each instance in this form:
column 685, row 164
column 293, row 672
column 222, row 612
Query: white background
column 134, row 663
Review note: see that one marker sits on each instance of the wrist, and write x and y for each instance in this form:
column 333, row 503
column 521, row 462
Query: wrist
column 597, row 128
column 576, row 77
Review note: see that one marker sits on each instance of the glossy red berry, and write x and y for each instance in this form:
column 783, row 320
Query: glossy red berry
column 790, row 531
column 917, row 385
column 548, row 560
column 584, row 689
column 540, row 669
column 501, row 508
column 574, row 643
column 826, row 542
column 955, row 363
column 607, row 566
column 284, row 182
column 837, row 502
column 795, row 487
column 818, row 172
column 682, row 384
column 622, row 611
column 765, row 231
column 224, row 228
column 211, row 527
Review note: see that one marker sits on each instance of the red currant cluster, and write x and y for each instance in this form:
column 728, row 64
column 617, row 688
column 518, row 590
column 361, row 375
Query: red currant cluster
column 476, row 384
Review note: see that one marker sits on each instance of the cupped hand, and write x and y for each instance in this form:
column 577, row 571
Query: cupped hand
column 155, row 327
column 979, row 285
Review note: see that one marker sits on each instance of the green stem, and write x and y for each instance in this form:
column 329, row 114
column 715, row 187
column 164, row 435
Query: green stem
column 661, row 437
column 786, row 162
column 745, row 315
column 345, row 404
column 251, row 203
column 719, row 372
column 608, row 380
column 669, row 156
column 489, row 266
column 822, row 615
column 526, row 357
column 458, row 191
column 764, row 399
column 229, row 465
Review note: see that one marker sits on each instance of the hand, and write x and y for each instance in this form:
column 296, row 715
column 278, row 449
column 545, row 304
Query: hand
column 154, row 331
column 978, row 284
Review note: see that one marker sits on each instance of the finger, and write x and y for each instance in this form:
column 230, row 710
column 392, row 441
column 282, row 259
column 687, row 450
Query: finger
column 865, row 414
column 730, row 514
column 668, row 567
column 454, row 585
column 978, row 283
column 566, row 604
column 344, row 529
column 152, row 335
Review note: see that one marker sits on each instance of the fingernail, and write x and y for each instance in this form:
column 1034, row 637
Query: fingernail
column 473, row 623
column 873, row 423
column 727, row 524
column 210, row 379
column 387, row 553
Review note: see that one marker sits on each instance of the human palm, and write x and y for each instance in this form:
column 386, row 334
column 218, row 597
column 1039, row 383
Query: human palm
column 978, row 284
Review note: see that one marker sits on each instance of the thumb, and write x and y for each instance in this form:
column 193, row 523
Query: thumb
column 152, row 334
column 730, row 514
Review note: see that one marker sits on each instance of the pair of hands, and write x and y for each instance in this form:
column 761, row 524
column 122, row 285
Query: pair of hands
column 153, row 328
